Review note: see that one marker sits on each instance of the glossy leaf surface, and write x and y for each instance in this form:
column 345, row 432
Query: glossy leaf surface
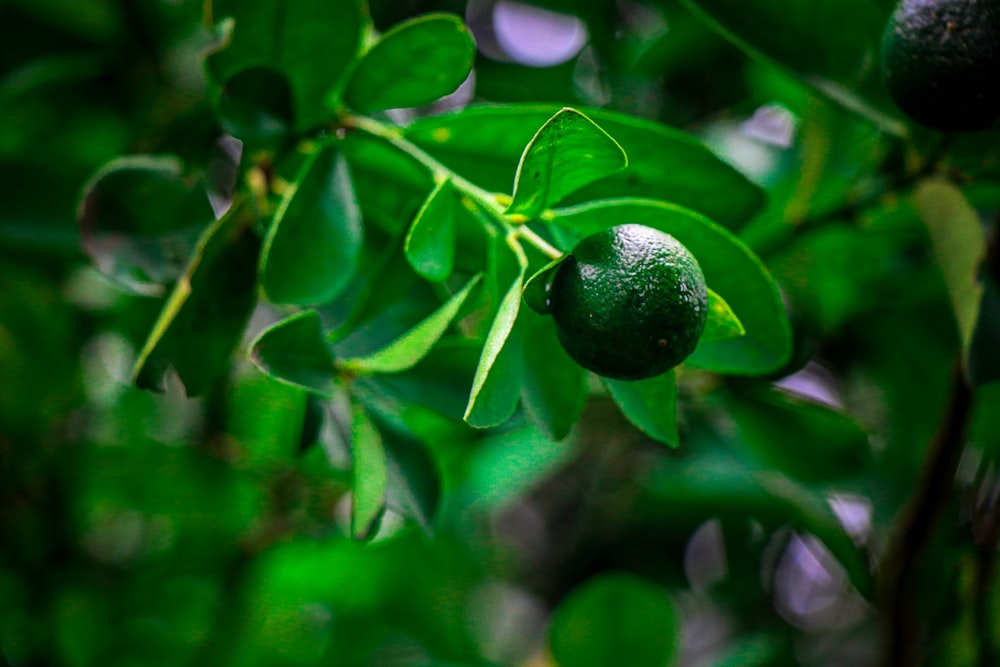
column 650, row 404
column 567, row 153
column 312, row 247
column 430, row 240
column 295, row 351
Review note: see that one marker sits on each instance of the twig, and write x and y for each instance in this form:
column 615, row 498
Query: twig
column 902, row 560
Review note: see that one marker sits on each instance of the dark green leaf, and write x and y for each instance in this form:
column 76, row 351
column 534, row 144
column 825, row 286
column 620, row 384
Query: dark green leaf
column 500, row 373
column 485, row 144
column 140, row 220
column 312, row 247
column 294, row 351
column 312, row 42
column 430, row 241
column 369, row 474
column 959, row 246
column 650, row 404
column 984, row 352
column 408, row 350
column 555, row 388
column 614, row 617
column 255, row 106
column 732, row 270
column 831, row 44
column 567, row 153
column 204, row 317
column 722, row 322
column 536, row 290
column 413, row 64
column 805, row 440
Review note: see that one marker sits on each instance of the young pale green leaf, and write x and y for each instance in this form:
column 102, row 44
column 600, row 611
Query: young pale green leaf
column 650, row 404
column 729, row 266
column 312, row 42
column 406, row 351
column 555, row 387
column 430, row 241
column 832, row 45
column 722, row 322
column 567, row 153
column 203, row 318
column 500, row 373
column 294, row 351
column 140, row 220
column 414, row 63
column 536, row 290
column 369, row 473
column 611, row 616
column 312, row 247
column 959, row 247
column 485, row 144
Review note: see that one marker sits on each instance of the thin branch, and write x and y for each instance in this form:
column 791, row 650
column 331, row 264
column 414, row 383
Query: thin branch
column 903, row 557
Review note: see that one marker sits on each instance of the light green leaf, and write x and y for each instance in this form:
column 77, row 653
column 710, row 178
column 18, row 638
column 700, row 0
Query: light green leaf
column 959, row 246
column 406, row 351
column 614, row 616
column 650, row 404
column 204, row 316
column 430, row 241
column 722, row 322
column 568, row 152
column 485, row 144
column 369, row 474
column 294, row 351
column 414, row 63
column 312, row 42
column 312, row 247
column 555, row 387
column 500, row 373
column 729, row 266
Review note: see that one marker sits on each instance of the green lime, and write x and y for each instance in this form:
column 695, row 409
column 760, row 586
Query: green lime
column 629, row 302
column 941, row 62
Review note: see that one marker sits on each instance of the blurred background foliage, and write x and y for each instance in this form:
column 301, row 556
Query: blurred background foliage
column 154, row 529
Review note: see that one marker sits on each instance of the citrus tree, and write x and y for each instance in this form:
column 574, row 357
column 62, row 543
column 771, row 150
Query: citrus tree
column 336, row 332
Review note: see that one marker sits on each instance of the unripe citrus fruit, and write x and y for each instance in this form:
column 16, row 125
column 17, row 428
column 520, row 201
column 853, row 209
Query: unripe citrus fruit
column 941, row 62
column 629, row 302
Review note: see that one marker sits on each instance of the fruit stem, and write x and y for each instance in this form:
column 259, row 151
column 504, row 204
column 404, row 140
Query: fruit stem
column 541, row 244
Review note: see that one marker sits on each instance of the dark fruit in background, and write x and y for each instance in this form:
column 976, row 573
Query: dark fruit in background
column 941, row 62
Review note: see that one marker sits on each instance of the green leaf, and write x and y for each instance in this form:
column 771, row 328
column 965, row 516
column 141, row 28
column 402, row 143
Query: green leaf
column 984, row 351
column 500, row 373
column 140, row 220
column 833, row 45
column 612, row 617
column 430, row 241
column 722, row 322
column 312, row 42
column 369, row 473
column 406, row 351
column 294, row 351
column 568, row 152
column 255, row 106
column 959, row 247
column 202, row 320
column 804, row 440
column 536, row 290
column 729, row 267
column 312, row 247
column 485, row 144
column 555, row 387
column 650, row 404
column 414, row 63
